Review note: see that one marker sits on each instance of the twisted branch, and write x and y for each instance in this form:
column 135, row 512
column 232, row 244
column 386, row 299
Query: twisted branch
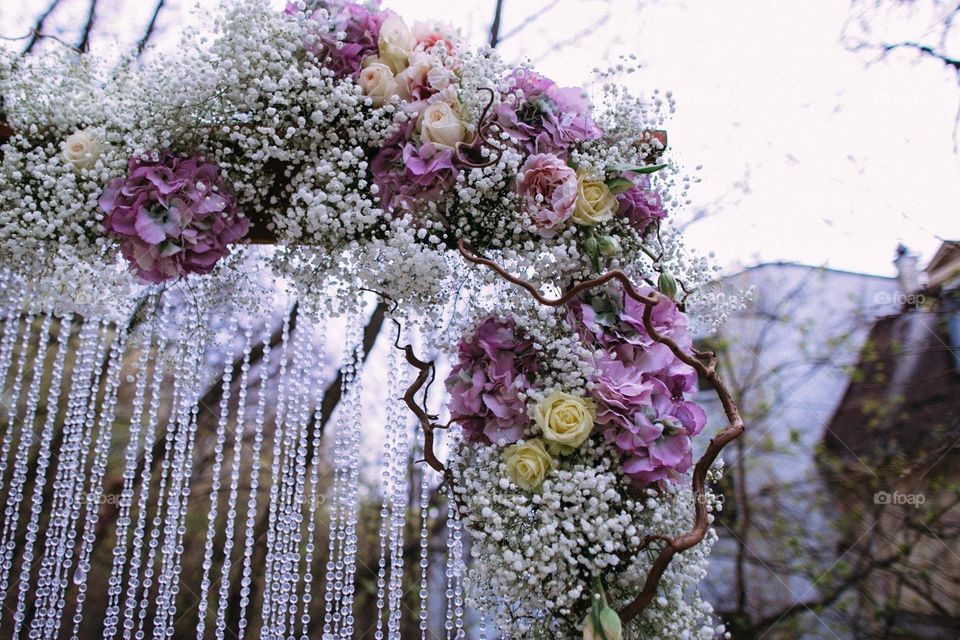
column 705, row 363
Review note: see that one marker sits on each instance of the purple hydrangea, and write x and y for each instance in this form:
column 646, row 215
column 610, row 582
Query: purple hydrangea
column 493, row 368
column 361, row 29
column 548, row 118
column 405, row 171
column 641, row 205
column 173, row 216
column 640, row 384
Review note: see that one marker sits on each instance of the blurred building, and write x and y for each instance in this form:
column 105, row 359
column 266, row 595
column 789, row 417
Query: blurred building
column 787, row 358
column 893, row 446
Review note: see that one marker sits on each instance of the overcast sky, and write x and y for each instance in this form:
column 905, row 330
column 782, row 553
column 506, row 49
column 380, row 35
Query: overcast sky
column 808, row 153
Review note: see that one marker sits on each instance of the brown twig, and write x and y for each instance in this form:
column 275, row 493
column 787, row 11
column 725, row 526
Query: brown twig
column 705, row 363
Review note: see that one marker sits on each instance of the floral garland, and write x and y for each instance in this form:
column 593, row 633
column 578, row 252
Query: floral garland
column 370, row 154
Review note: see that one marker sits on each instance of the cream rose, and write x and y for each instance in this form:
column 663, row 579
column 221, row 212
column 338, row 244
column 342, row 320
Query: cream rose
column 441, row 126
column 565, row 420
column 527, row 463
column 378, row 83
column 396, row 43
column 81, row 149
column 595, row 202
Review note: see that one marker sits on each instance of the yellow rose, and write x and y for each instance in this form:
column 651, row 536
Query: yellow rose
column 396, row 43
column 565, row 420
column 527, row 463
column 595, row 202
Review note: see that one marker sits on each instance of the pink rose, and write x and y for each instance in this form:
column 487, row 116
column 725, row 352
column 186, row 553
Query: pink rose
column 549, row 191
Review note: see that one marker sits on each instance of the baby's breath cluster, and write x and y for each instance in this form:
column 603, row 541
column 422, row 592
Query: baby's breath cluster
column 536, row 555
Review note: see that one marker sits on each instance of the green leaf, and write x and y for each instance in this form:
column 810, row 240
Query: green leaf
column 632, row 168
column 619, row 185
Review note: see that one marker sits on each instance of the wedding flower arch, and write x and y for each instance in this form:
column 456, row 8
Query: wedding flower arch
column 511, row 228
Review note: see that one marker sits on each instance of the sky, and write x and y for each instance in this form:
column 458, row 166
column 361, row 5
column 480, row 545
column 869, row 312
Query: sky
column 808, row 151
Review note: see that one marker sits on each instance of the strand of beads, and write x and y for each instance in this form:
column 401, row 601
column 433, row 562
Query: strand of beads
column 268, row 587
column 399, row 426
column 101, row 451
column 21, row 460
column 138, row 540
column 232, row 497
column 44, row 455
column 68, row 480
column 191, row 357
column 251, row 518
column 124, row 507
column 315, row 497
column 226, row 388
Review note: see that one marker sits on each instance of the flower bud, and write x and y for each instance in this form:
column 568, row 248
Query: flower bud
column 590, row 245
column 609, row 246
column 667, row 285
column 610, row 626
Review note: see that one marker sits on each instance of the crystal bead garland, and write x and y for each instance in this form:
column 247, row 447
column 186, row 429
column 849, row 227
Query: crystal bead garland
column 187, row 377
column 138, row 538
column 101, row 451
column 131, row 454
column 400, row 427
column 314, row 499
column 266, row 608
column 226, row 388
column 393, row 501
column 284, row 561
column 21, row 460
column 68, row 482
column 425, row 483
column 341, row 563
column 251, row 517
column 44, row 455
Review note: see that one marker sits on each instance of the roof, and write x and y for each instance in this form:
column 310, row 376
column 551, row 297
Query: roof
column 800, row 265
column 944, row 265
column 903, row 400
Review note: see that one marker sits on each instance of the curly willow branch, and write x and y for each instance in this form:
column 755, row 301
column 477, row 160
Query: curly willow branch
column 425, row 376
column 705, row 363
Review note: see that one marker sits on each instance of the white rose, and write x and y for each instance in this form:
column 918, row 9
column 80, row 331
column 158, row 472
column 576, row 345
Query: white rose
column 81, row 150
column 527, row 464
column 565, row 420
column 595, row 202
column 441, row 126
column 378, row 83
column 395, row 44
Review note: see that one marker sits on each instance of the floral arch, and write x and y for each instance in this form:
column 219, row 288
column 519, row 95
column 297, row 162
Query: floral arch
column 154, row 217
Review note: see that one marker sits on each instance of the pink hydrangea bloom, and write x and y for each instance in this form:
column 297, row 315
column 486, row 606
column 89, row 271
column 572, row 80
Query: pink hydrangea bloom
column 641, row 205
column 173, row 216
column 549, row 191
column 548, row 118
column 493, row 367
column 405, row 172
column 361, row 29
column 640, row 384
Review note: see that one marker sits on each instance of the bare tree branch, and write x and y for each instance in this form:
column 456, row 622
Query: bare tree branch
column 151, row 27
column 84, row 43
column 38, row 27
column 495, row 25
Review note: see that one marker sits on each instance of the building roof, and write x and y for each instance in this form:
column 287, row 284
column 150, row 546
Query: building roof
column 903, row 400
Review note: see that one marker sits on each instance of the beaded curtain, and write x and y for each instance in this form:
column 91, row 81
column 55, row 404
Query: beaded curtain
column 185, row 475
